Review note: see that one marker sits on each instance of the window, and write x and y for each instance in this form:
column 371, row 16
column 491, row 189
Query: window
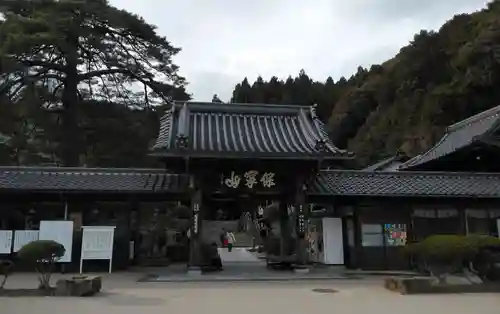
column 482, row 221
column 384, row 235
column 372, row 235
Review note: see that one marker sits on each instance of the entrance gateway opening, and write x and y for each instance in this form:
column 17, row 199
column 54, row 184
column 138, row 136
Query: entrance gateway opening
column 249, row 166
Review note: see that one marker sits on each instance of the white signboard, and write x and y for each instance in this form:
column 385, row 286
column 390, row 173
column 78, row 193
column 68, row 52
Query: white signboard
column 59, row 231
column 498, row 227
column 5, row 241
column 97, row 243
column 23, row 237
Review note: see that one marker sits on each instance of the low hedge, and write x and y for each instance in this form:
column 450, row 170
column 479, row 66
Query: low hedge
column 442, row 254
column 451, row 247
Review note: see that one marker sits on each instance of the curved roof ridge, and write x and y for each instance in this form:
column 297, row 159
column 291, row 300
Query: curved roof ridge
column 419, row 157
column 81, row 169
column 410, row 173
column 487, row 114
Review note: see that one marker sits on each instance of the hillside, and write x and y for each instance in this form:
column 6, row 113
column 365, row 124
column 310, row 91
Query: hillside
column 405, row 103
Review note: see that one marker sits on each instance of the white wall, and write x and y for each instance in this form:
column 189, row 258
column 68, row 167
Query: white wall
column 333, row 242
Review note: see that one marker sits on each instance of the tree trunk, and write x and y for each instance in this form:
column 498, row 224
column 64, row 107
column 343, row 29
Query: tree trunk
column 70, row 132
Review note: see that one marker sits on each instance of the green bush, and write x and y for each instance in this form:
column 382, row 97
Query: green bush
column 477, row 241
column 441, row 247
column 442, row 254
column 6, row 269
column 42, row 254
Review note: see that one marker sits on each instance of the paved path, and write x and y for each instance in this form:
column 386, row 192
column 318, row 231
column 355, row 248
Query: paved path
column 124, row 296
column 238, row 254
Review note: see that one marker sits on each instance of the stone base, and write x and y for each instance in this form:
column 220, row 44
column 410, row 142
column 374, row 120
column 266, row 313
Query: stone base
column 430, row 286
column 194, row 271
column 301, row 270
column 79, row 286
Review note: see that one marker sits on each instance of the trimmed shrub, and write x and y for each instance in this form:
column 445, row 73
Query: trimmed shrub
column 443, row 254
column 42, row 255
column 486, row 257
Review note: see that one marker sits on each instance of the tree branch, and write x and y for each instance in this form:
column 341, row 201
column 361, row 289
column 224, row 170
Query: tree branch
column 28, row 79
column 91, row 74
column 150, row 84
column 44, row 64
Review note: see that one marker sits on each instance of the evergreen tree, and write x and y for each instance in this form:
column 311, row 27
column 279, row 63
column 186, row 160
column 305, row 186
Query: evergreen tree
column 80, row 51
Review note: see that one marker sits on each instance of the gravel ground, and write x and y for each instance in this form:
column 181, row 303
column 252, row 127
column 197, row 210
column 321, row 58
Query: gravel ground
column 122, row 294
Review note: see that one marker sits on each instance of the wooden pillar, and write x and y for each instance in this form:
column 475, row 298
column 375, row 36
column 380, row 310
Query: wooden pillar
column 195, row 260
column 358, row 241
column 134, row 228
column 284, row 227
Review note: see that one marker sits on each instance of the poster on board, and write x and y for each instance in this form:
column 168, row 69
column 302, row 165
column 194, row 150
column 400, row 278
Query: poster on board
column 60, row 231
column 5, row 241
column 97, row 244
column 23, row 237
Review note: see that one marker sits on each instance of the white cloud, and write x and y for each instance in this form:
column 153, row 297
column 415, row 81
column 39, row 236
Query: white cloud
column 224, row 41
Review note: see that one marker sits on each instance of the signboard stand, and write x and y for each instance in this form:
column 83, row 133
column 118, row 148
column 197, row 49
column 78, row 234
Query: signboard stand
column 23, row 237
column 60, row 231
column 97, row 244
column 5, row 241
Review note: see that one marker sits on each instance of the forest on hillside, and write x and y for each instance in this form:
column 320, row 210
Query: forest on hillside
column 51, row 114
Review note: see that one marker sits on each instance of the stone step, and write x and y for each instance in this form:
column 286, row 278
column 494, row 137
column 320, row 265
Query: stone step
column 243, row 239
column 239, row 255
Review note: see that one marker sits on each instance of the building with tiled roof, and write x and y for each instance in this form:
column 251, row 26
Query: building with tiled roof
column 246, row 155
column 468, row 145
column 264, row 131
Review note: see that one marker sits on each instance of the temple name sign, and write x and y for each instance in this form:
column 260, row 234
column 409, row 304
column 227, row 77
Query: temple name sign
column 251, row 178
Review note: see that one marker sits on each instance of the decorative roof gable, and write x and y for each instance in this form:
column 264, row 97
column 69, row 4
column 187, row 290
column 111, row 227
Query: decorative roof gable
column 244, row 130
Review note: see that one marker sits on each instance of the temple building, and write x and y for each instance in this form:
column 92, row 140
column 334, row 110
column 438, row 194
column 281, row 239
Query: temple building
column 229, row 161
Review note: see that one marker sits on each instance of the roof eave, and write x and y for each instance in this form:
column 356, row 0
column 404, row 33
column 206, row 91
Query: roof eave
column 231, row 155
column 419, row 196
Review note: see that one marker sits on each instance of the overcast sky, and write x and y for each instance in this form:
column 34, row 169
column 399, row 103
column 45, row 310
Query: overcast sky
column 223, row 41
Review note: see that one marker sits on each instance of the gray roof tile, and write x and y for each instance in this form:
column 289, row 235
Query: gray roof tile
column 459, row 135
column 388, row 164
column 261, row 131
column 327, row 183
column 405, row 184
column 85, row 179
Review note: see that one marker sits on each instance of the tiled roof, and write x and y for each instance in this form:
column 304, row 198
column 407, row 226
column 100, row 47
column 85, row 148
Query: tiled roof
column 388, row 164
column 244, row 130
column 327, row 183
column 459, row 135
column 405, row 184
column 93, row 180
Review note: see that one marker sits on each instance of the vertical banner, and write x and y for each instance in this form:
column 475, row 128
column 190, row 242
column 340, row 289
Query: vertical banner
column 195, row 230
